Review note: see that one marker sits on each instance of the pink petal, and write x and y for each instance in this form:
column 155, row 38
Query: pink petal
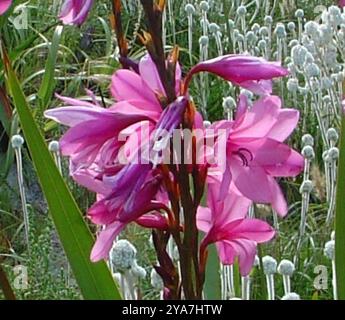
column 105, row 241
column 4, row 6
column 127, row 85
column 204, row 219
column 251, row 229
column 291, row 167
column 286, row 122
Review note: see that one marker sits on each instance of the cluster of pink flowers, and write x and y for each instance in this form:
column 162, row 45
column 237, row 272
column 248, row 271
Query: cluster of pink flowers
column 135, row 192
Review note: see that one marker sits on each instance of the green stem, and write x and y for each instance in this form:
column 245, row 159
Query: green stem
column 5, row 286
column 340, row 218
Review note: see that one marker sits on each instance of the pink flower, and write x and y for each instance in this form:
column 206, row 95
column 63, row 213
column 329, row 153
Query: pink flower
column 249, row 72
column 134, row 190
column 342, row 3
column 255, row 152
column 226, row 225
column 75, row 11
column 4, row 6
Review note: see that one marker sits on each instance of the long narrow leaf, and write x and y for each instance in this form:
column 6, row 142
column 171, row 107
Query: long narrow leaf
column 48, row 82
column 340, row 218
column 94, row 279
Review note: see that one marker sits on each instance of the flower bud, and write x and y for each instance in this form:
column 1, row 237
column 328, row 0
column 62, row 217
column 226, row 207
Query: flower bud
column 17, row 141
column 286, row 268
column 269, row 265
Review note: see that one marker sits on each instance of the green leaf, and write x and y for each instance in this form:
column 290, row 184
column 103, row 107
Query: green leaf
column 94, row 279
column 340, row 218
column 212, row 286
column 48, row 82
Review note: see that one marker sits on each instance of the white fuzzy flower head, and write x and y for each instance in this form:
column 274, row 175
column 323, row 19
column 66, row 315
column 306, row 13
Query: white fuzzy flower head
column 268, row 20
column 213, row 27
column 326, row 34
column 255, row 27
column 54, row 146
column 231, row 24
column 280, row 30
column 293, row 43
column 241, row 11
column 298, row 54
column 332, row 135
column 204, row 6
column 262, row 44
column 229, row 104
column 326, row 83
column 138, row 271
column 263, row 31
column 207, row 124
column 312, row 70
column 291, row 26
column 306, row 187
column 156, row 280
column 326, row 99
column 291, row 296
column 329, row 249
column 17, row 141
column 203, row 40
column 307, row 140
column 299, row 13
column 123, row 255
column 312, row 29
column 251, row 37
column 333, row 153
column 286, row 268
column 308, row 152
column 292, row 85
column 269, row 265
column 189, row 8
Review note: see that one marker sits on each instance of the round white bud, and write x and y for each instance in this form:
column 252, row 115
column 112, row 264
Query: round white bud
column 54, row 146
column 123, row 255
column 268, row 20
column 263, row 31
column 262, row 44
column 204, row 6
column 308, row 152
column 17, row 141
column 299, row 13
column 291, row 26
column 255, row 27
column 138, row 271
column 306, row 187
column 231, row 24
column 280, row 30
column 203, row 40
column 269, row 265
column 292, row 85
column 312, row 70
column 207, row 124
column 291, row 296
column 189, row 8
column 329, row 249
column 213, row 27
column 332, row 135
column 298, row 54
column 333, row 153
column 307, row 140
column 241, row 11
column 229, row 104
column 286, row 268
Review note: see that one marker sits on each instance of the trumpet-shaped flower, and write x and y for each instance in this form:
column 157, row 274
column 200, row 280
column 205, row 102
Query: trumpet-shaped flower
column 255, row 152
column 226, row 225
column 4, row 6
column 252, row 73
column 75, row 11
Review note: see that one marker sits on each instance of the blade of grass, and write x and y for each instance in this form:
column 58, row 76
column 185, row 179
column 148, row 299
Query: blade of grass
column 340, row 218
